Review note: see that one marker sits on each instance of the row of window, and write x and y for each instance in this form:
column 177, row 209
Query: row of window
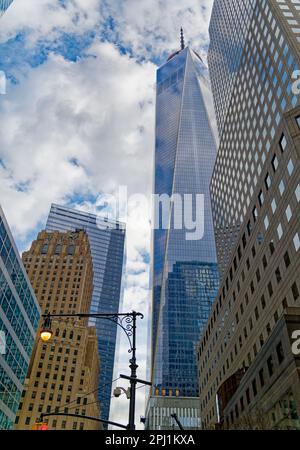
column 272, row 115
column 295, row 297
column 238, row 257
column 270, row 287
column 240, row 344
column 257, row 384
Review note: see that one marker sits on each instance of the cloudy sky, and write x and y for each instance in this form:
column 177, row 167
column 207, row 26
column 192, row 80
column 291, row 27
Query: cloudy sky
column 77, row 120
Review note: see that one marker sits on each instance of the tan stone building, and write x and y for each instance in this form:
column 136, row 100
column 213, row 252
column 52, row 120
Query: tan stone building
column 268, row 395
column 261, row 282
column 63, row 373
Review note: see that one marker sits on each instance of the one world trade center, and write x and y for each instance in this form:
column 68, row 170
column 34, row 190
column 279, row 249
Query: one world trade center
column 184, row 272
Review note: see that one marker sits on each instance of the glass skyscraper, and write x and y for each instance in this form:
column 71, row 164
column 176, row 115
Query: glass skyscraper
column 226, row 49
column 184, row 272
column 107, row 242
column 4, row 4
column 19, row 319
column 253, row 59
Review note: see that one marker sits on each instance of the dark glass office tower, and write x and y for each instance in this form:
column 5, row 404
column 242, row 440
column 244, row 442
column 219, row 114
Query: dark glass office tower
column 107, row 242
column 253, row 60
column 4, row 4
column 19, row 319
column 184, row 270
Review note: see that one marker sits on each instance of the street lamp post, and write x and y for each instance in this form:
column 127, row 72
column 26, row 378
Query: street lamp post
column 126, row 321
column 133, row 367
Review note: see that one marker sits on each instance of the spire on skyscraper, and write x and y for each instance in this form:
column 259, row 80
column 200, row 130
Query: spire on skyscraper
column 182, row 45
column 181, row 39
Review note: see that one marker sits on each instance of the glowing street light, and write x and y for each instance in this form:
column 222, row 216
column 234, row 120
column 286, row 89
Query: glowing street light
column 46, row 331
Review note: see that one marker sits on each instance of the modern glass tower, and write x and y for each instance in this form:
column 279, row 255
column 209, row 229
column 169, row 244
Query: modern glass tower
column 107, row 242
column 19, row 318
column 184, row 271
column 254, row 59
column 4, row 4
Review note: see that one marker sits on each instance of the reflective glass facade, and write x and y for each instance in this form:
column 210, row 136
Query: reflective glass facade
column 226, row 49
column 107, row 242
column 19, row 318
column 190, row 291
column 251, row 104
column 4, row 4
column 184, row 272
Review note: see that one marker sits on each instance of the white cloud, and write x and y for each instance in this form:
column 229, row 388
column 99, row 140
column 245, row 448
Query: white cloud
column 85, row 110
column 152, row 26
column 147, row 28
column 45, row 19
column 137, row 297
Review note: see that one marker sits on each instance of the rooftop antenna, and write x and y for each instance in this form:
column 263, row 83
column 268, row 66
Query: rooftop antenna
column 181, row 39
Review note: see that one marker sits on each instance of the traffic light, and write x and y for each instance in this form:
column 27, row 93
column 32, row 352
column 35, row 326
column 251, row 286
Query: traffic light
column 40, row 426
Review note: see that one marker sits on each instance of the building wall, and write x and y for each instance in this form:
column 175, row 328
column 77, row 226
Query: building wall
column 19, row 318
column 107, row 243
column 262, row 278
column 268, row 396
column 256, row 92
column 229, row 27
column 63, row 372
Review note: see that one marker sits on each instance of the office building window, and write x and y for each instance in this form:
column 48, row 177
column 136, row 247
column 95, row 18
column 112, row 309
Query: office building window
column 297, row 193
column 280, row 231
column 248, row 396
column 278, row 275
column 266, row 222
column 296, row 241
column 261, row 377
column 270, row 366
column 275, row 163
column 254, row 387
column 288, row 213
column 283, row 142
column 281, row 187
column 287, row 260
column 268, row 182
column 290, row 167
column 270, row 289
column 295, row 291
column 280, row 354
column 254, row 214
column 261, row 198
